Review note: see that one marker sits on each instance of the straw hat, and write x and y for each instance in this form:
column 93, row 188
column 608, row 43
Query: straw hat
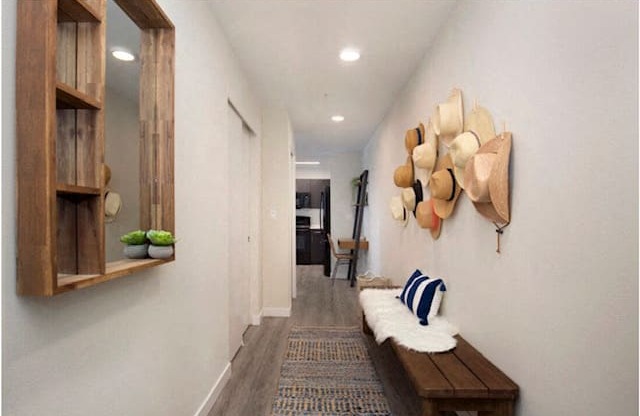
column 403, row 175
column 398, row 211
column 449, row 117
column 106, row 172
column 480, row 122
column 462, row 148
column 427, row 218
column 112, row 205
column 425, row 155
column 413, row 138
column 412, row 196
column 487, row 179
column 444, row 189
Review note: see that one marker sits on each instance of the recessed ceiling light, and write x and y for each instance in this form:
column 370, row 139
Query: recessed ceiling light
column 349, row 55
column 123, row 55
column 337, row 118
column 308, row 163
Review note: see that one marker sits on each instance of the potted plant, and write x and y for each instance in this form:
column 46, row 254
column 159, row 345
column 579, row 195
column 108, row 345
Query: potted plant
column 161, row 244
column 136, row 244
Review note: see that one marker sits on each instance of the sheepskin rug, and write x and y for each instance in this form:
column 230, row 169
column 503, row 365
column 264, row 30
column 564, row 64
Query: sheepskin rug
column 389, row 318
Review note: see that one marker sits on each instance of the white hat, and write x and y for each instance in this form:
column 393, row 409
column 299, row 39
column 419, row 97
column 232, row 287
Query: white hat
column 462, row 148
column 448, row 118
column 112, row 205
column 425, row 155
column 398, row 211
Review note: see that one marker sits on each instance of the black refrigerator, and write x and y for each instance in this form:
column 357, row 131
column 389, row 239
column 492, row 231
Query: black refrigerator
column 325, row 222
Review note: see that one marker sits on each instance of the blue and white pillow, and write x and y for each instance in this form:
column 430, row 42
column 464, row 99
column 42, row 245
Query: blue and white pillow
column 423, row 296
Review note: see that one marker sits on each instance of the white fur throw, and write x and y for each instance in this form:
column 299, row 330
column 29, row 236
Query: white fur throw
column 389, row 318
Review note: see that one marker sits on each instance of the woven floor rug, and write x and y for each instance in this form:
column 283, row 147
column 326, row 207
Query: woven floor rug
column 327, row 371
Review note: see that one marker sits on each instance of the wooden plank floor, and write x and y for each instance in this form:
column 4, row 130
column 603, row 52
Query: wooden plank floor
column 256, row 367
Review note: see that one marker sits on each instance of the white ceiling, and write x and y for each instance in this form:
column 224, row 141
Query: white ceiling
column 289, row 51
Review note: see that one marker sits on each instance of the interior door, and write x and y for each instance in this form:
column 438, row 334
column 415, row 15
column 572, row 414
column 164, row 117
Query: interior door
column 239, row 270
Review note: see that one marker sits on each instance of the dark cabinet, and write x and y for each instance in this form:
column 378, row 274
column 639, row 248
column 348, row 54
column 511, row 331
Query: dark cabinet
column 314, row 187
column 318, row 242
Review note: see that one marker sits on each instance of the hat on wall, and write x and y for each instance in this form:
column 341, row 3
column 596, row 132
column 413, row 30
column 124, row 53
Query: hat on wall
column 413, row 138
column 480, row 122
column 106, row 172
column 427, row 218
column 444, row 188
column 462, row 148
column 412, row 196
column 403, row 175
column 425, row 155
column 487, row 179
column 448, row 117
column 398, row 211
column 112, row 205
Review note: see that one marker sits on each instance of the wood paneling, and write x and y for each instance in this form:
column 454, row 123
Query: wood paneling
column 145, row 14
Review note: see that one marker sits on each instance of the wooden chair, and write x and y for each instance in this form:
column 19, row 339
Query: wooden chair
column 341, row 258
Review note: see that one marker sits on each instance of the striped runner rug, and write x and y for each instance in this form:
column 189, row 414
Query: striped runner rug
column 327, row 371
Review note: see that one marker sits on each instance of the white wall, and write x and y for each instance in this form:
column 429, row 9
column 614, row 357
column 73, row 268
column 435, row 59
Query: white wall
column 557, row 310
column 278, row 199
column 155, row 342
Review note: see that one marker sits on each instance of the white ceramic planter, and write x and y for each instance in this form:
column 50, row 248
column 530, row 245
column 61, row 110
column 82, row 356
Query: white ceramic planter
column 136, row 251
column 160, row 252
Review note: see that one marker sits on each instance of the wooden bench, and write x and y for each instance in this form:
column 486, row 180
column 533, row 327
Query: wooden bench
column 461, row 379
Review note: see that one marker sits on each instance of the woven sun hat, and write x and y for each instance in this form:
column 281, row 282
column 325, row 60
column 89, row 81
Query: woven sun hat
column 398, row 211
column 427, row 218
column 487, row 179
column 106, row 172
column 444, row 188
column 462, row 148
column 425, row 156
column 403, row 175
column 449, row 117
column 412, row 196
column 480, row 122
column 413, row 138
column 112, row 205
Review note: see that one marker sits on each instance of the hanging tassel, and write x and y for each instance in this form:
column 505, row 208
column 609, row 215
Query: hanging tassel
column 499, row 232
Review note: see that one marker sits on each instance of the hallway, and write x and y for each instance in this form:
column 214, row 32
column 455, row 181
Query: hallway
column 256, row 368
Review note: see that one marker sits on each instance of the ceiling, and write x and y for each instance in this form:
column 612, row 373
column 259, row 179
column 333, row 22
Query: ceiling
column 289, row 51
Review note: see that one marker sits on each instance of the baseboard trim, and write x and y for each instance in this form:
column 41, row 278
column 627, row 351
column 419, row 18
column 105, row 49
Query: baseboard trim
column 277, row 312
column 215, row 391
column 256, row 320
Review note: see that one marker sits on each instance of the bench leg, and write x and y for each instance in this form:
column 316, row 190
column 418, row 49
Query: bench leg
column 429, row 408
column 502, row 409
column 365, row 327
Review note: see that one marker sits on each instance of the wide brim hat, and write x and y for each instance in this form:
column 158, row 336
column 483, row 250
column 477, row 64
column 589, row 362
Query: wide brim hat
column 412, row 196
column 461, row 149
column 403, row 175
column 449, row 117
column 425, row 156
column 426, row 217
column 480, row 121
column 398, row 210
column 444, row 188
column 112, row 205
column 487, row 179
column 414, row 137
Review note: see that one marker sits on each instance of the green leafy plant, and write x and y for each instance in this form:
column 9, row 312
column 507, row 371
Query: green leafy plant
column 134, row 238
column 161, row 237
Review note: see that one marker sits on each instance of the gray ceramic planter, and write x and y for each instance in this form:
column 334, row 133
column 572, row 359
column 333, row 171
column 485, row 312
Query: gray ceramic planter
column 136, row 251
column 160, row 252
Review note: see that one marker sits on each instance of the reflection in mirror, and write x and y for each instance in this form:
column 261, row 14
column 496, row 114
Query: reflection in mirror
column 122, row 153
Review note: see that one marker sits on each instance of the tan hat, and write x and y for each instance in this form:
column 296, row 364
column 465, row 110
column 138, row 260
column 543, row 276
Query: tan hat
column 403, row 175
column 487, row 179
column 412, row 196
column 449, row 116
column 413, row 138
column 427, row 218
column 444, row 188
column 425, row 155
column 462, row 148
column 398, row 211
column 480, row 122
column 112, row 205
column 106, row 172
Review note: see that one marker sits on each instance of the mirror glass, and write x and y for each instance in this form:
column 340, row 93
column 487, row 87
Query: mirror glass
column 122, row 131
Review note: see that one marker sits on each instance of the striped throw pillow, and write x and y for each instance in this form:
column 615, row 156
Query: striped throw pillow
column 423, row 296
column 414, row 276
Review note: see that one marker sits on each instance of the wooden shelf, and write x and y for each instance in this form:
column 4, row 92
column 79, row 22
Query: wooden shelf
column 114, row 270
column 75, row 190
column 68, row 97
column 77, row 11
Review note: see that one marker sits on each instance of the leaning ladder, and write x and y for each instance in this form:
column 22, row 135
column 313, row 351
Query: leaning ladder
column 357, row 225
